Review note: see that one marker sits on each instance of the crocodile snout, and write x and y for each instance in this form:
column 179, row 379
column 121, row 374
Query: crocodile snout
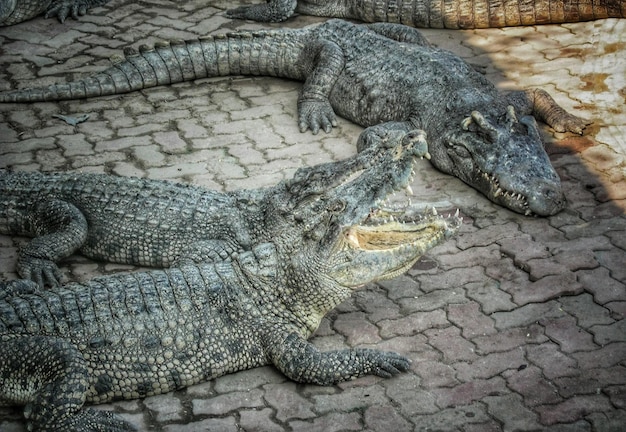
column 546, row 198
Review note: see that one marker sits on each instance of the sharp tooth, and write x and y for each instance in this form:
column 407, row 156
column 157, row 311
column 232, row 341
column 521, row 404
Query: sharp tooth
column 456, row 214
column 527, row 213
column 434, row 211
column 409, row 190
column 497, row 193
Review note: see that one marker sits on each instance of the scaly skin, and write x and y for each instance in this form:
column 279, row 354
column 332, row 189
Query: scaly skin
column 17, row 11
column 134, row 335
column 155, row 223
column 452, row 14
column 371, row 74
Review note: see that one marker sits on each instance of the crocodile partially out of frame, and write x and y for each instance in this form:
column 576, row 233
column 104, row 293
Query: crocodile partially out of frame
column 17, row 11
column 452, row 14
column 371, row 74
column 419, row 13
column 158, row 223
column 133, row 335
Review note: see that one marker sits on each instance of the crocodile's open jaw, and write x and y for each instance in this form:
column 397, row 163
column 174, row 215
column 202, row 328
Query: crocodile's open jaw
column 345, row 228
column 387, row 244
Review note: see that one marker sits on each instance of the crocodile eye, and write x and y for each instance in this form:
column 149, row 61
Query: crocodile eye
column 531, row 127
column 336, row 206
column 459, row 151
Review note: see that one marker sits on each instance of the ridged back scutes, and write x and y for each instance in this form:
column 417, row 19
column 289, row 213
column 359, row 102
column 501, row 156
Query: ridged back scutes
column 273, row 53
column 170, row 61
column 94, row 307
column 156, row 63
column 467, row 14
column 143, row 67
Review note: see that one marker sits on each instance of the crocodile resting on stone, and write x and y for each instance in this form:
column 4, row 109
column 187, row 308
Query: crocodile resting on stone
column 419, row 13
column 17, row 11
column 371, row 74
column 158, row 223
column 133, row 335
column 378, row 74
column 452, row 14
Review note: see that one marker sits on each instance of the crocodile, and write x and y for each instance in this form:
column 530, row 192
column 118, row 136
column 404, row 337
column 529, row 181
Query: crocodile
column 157, row 223
column 451, row 14
column 132, row 335
column 371, row 74
column 454, row 14
column 17, row 11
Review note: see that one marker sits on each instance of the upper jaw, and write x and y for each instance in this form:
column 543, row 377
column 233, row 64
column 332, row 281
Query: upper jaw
column 541, row 198
column 539, row 195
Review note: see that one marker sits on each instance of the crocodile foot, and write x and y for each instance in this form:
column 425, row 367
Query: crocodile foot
column 382, row 363
column 272, row 11
column 567, row 122
column 41, row 271
column 64, row 8
column 316, row 114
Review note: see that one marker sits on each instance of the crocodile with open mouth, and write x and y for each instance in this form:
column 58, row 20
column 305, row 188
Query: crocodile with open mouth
column 128, row 336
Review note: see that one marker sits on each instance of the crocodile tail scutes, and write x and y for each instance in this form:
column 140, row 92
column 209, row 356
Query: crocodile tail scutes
column 469, row 14
column 245, row 53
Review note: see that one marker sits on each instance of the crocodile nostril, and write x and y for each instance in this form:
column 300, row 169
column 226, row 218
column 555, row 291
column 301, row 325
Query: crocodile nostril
column 546, row 199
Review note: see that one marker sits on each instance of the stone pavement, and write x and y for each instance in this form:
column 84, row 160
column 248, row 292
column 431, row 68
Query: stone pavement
column 517, row 324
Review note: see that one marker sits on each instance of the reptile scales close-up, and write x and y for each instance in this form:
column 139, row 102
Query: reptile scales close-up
column 440, row 212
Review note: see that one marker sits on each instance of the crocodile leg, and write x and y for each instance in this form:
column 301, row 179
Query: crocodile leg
column 322, row 62
column 400, row 33
column 59, row 229
column 303, row 362
column 271, row 11
column 540, row 104
column 50, row 377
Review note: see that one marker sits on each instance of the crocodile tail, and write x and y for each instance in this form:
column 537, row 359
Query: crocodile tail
column 272, row 53
column 467, row 14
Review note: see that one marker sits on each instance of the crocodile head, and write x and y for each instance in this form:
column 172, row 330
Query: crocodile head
column 504, row 158
column 348, row 233
column 333, row 234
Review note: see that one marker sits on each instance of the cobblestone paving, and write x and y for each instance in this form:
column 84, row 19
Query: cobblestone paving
column 515, row 325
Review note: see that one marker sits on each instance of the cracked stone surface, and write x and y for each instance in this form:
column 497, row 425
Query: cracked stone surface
column 517, row 324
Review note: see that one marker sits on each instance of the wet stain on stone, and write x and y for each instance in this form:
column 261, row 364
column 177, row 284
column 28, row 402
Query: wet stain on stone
column 573, row 52
column 622, row 93
column 614, row 47
column 595, row 82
